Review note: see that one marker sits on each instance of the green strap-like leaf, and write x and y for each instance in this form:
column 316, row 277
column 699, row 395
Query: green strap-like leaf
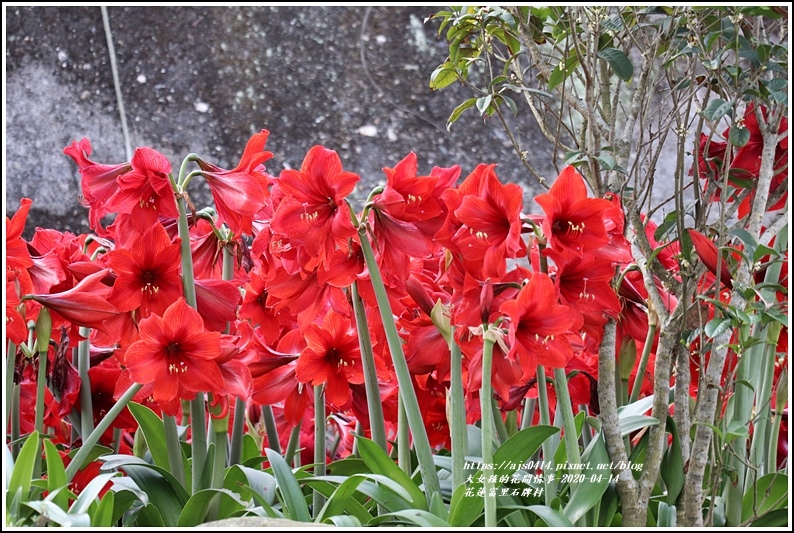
column 56, row 475
column 551, row 516
column 103, row 516
column 153, row 432
column 294, row 501
column 588, row 493
column 380, row 463
column 196, row 508
column 22, row 469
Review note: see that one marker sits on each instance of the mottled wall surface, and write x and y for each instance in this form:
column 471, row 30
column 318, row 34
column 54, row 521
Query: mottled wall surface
column 204, row 79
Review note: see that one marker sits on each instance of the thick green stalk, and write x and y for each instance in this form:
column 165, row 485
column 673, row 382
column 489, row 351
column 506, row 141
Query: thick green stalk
column 14, row 405
column 174, row 448
column 529, row 412
column 188, row 283
column 781, row 400
column 424, row 453
column 740, row 406
column 41, row 386
column 11, row 356
column 198, row 420
column 403, row 438
column 761, row 433
column 374, row 402
column 83, row 365
column 198, row 444
column 549, row 475
column 237, row 432
column 499, row 424
column 219, row 429
column 457, row 410
column 93, row 438
column 292, row 444
column 566, row 409
column 270, row 429
column 488, row 431
column 319, row 445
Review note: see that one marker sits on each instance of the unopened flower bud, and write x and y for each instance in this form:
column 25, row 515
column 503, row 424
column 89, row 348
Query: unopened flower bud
column 43, row 330
column 486, row 300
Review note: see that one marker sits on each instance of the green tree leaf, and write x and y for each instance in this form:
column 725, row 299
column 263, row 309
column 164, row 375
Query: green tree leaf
column 442, row 77
column 739, row 135
column 620, row 63
column 716, row 109
column 455, row 115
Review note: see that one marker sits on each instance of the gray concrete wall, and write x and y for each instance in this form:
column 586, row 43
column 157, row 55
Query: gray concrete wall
column 203, row 79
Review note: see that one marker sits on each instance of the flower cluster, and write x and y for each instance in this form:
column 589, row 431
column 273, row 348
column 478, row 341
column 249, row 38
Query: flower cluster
column 457, row 259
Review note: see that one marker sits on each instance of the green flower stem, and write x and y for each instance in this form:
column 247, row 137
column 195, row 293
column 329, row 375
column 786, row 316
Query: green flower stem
column 220, row 427
column 14, row 405
column 183, row 168
column 117, row 440
column 549, row 473
column 319, row 445
column 571, row 438
column 740, row 406
column 83, row 365
column 188, row 283
column 11, row 356
column 270, row 429
column 41, row 386
column 292, row 444
column 197, row 407
column 198, row 444
column 238, row 425
column 93, row 438
column 499, row 424
column 529, row 412
column 488, row 430
column 174, row 448
column 759, row 450
column 781, row 400
column 646, row 352
column 403, row 438
column 421, row 443
column 457, row 409
column 374, row 402
column 236, row 447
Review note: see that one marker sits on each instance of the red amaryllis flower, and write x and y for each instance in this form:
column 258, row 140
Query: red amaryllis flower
column 148, row 273
column 175, row 354
column 538, row 325
column 86, row 304
column 240, row 193
column 98, row 181
column 407, row 196
column 274, row 376
column 18, row 259
column 584, row 285
column 331, row 357
column 216, row 301
column 708, row 253
column 144, row 192
column 573, row 222
column 491, row 221
column 313, row 212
